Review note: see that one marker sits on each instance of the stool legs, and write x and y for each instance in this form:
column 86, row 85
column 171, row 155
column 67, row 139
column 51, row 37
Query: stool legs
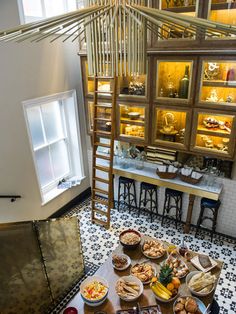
column 127, row 195
column 118, row 203
column 177, row 206
column 202, row 217
column 150, row 196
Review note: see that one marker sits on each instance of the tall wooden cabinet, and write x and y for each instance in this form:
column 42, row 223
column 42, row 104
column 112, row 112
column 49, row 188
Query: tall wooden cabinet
column 187, row 99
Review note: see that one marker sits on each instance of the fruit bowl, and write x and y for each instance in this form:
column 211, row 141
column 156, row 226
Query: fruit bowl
column 89, row 281
column 161, row 293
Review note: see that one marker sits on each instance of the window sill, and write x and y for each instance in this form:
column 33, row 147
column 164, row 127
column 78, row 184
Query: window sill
column 54, row 193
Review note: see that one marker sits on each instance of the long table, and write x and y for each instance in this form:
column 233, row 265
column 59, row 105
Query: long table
column 148, row 174
column 114, row 303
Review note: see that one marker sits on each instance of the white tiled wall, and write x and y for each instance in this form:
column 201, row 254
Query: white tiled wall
column 227, row 213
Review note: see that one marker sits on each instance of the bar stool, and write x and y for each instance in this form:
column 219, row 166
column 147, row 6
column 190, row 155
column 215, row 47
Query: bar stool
column 214, row 207
column 173, row 199
column 127, row 195
column 150, row 196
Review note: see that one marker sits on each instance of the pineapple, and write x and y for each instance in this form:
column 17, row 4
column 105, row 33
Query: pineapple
column 165, row 275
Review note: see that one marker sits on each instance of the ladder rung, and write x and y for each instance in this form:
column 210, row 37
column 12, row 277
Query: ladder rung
column 100, row 222
column 103, row 105
column 103, row 119
column 102, row 77
column 101, row 180
column 103, row 92
column 103, row 132
column 102, row 157
column 105, row 77
column 99, row 211
column 96, row 190
column 101, row 201
column 102, row 145
column 102, row 168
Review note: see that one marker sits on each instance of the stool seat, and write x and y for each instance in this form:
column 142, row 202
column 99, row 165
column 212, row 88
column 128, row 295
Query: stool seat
column 210, row 203
column 125, row 180
column 174, row 192
column 148, row 186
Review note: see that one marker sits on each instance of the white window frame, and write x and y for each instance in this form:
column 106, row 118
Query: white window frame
column 23, row 17
column 71, row 128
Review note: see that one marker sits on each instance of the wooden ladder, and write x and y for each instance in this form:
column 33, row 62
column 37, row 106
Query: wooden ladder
column 102, row 171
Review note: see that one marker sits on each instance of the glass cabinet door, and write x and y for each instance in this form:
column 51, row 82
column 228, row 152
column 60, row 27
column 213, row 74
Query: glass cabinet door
column 132, row 122
column 173, row 82
column 213, row 132
column 218, row 83
column 223, row 11
column 133, row 86
column 103, row 117
column 171, row 127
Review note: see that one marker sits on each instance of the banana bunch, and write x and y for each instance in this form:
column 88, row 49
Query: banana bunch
column 160, row 290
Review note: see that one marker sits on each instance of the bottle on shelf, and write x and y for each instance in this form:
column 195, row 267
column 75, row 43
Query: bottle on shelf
column 184, row 84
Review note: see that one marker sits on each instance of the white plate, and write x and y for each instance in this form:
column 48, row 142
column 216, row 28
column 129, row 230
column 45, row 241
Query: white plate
column 137, row 281
column 152, row 239
column 124, row 267
column 200, row 304
column 154, row 272
column 195, row 262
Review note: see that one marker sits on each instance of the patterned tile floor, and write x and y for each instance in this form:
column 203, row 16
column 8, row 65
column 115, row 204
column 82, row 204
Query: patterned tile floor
column 98, row 244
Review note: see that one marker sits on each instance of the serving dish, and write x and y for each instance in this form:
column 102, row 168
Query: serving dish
column 130, row 242
column 153, row 248
column 133, row 115
column 89, row 281
column 196, row 263
column 117, row 260
column 180, row 269
column 201, row 306
column 129, row 288
column 205, row 279
column 144, row 272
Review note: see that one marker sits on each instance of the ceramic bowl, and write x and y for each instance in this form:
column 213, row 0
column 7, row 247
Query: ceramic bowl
column 200, row 304
column 126, row 265
column 137, row 281
column 86, row 282
column 189, row 276
column 130, row 246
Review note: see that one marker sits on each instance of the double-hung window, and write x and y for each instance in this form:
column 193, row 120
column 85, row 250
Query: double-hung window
column 55, row 140
column 34, row 10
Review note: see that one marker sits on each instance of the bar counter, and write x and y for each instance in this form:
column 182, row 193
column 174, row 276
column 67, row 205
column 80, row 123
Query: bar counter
column 148, row 174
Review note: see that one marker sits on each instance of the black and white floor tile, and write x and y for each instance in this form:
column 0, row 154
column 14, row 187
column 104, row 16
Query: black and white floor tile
column 98, row 243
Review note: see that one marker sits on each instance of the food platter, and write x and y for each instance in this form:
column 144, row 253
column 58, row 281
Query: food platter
column 129, row 288
column 201, row 284
column 121, row 261
column 153, row 248
column 144, row 272
column 192, row 304
column 180, row 269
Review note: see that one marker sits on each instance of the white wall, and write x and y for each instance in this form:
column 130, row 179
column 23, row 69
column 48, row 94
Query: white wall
column 27, row 71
